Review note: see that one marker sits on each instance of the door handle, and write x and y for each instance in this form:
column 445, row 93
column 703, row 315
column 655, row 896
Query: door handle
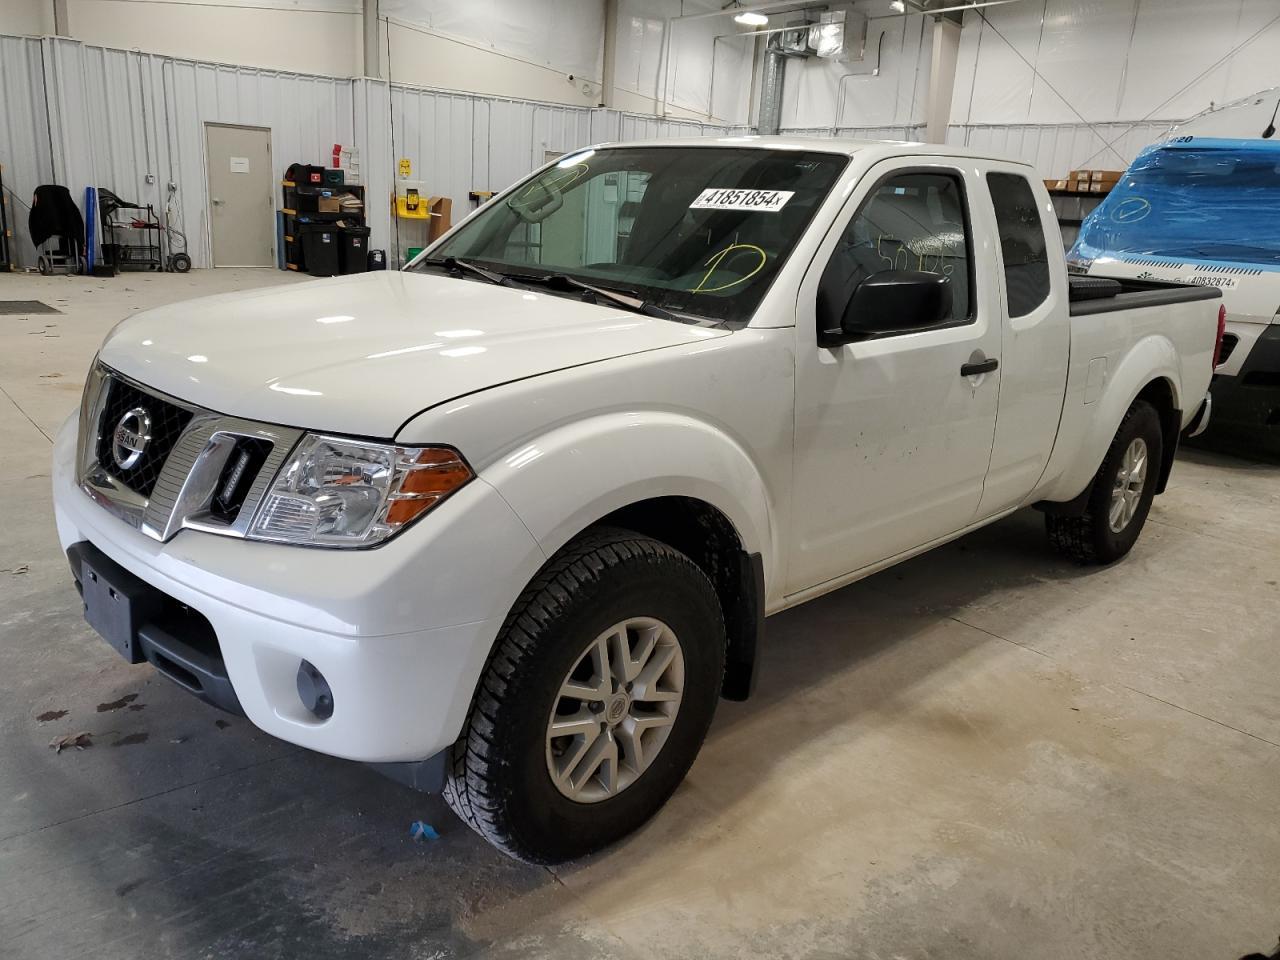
column 980, row 367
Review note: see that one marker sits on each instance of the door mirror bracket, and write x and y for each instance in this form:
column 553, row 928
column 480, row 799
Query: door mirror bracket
column 893, row 301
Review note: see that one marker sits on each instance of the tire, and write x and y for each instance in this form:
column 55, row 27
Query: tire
column 180, row 263
column 501, row 778
column 1091, row 537
column 42, row 264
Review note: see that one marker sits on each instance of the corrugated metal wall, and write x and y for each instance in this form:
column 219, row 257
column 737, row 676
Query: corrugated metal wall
column 134, row 123
column 458, row 143
column 913, row 131
column 25, row 149
column 1056, row 149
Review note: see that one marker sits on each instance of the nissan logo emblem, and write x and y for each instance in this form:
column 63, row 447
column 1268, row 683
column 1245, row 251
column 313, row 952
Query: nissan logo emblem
column 130, row 439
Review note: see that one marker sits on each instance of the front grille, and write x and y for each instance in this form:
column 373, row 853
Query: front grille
column 167, row 423
column 197, row 468
column 237, row 476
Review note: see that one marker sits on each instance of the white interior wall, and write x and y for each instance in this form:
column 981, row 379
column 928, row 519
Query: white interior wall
column 564, row 36
column 1069, row 83
column 310, row 36
column 32, row 18
column 698, row 69
column 893, row 98
column 421, row 57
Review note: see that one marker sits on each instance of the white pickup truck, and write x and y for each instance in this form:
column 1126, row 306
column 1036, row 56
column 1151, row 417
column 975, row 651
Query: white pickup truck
column 509, row 522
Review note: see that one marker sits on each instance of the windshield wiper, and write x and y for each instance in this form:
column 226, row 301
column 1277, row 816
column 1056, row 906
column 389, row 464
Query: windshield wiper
column 454, row 265
column 622, row 298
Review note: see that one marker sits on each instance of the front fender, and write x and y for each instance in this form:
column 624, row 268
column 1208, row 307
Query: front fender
column 1151, row 358
column 567, row 479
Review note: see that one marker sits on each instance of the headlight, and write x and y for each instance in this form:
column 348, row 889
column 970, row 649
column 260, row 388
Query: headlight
column 336, row 492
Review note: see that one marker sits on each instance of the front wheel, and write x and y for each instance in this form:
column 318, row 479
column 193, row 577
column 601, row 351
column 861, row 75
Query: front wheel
column 1121, row 495
column 595, row 701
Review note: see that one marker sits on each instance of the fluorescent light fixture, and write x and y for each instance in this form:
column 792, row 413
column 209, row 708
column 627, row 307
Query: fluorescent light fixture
column 749, row 18
column 898, row 6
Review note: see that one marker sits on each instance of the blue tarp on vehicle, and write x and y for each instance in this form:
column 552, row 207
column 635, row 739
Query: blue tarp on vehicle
column 1198, row 198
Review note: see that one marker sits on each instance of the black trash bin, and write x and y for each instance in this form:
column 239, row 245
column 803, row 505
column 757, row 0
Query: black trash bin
column 377, row 259
column 355, row 249
column 320, row 249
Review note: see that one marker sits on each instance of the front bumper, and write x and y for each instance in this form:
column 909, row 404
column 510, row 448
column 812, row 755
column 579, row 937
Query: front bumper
column 401, row 632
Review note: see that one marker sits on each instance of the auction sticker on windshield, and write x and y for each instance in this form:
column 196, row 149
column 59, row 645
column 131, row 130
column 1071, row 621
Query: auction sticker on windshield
column 725, row 198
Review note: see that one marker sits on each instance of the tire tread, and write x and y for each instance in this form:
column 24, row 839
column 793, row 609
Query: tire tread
column 1075, row 537
column 470, row 789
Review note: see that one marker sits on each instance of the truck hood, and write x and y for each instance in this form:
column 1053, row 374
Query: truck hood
column 362, row 354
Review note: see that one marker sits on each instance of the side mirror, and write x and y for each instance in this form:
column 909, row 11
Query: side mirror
column 894, row 301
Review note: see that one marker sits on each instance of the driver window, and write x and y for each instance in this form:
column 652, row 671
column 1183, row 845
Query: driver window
column 911, row 221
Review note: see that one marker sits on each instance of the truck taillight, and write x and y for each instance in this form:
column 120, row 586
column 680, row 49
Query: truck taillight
column 1222, row 329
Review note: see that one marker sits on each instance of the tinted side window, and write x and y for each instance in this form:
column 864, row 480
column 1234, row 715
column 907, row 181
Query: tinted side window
column 1022, row 243
column 912, row 221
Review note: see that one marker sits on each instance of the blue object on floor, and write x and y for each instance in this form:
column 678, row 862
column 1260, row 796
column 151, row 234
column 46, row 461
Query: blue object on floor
column 90, row 225
column 421, row 830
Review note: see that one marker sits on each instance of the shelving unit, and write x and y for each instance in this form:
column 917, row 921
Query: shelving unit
column 298, row 199
column 1071, row 207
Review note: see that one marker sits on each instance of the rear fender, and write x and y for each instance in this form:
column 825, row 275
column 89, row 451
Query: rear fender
column 1152, row 359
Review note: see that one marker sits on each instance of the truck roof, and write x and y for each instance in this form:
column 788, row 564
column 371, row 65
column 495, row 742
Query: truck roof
column 877, row 149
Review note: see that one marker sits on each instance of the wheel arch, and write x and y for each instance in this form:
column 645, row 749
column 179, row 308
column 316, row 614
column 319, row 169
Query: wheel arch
column 1160, row 394
column 1149, row 371
column 707, row 537
column 680, row 480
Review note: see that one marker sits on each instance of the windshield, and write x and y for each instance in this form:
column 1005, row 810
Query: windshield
column 697, row 230
column 1203, row 199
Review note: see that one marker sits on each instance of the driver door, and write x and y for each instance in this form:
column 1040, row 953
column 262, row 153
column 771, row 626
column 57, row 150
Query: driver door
column 892, row 440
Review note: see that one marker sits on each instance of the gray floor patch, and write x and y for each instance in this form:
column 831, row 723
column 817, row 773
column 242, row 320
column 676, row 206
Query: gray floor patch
column 13, row 308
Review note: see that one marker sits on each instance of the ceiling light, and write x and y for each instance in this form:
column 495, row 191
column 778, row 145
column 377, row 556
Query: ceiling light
column 749, row 18
column 898, row 6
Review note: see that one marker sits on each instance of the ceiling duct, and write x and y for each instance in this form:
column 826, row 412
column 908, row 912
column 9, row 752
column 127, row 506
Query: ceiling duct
column 839, row 35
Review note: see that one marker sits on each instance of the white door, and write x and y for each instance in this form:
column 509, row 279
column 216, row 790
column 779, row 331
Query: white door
column 242, row 209
column 1037, row 338
column 892, row 438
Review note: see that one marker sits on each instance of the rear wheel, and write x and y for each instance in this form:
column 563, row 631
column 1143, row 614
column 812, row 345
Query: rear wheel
column 595, row 701
column 1121, row 494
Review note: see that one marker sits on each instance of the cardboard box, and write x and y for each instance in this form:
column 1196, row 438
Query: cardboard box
column 1106, row 176
column 1056, row 184
column 441, row 209
column 329, row 205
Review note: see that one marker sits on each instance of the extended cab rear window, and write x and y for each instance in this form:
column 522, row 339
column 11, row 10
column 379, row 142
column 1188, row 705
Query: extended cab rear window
column 698, row 230
column 1022, row 244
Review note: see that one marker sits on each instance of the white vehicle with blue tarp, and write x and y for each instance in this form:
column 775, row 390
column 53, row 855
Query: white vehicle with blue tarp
column 1204, row 210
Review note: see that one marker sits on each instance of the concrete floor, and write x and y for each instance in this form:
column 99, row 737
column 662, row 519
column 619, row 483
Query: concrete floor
column 983, row 753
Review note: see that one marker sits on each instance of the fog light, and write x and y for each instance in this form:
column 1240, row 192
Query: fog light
column 314, row 691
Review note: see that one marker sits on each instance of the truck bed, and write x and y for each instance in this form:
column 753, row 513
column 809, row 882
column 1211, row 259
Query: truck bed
column 1093, row 294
